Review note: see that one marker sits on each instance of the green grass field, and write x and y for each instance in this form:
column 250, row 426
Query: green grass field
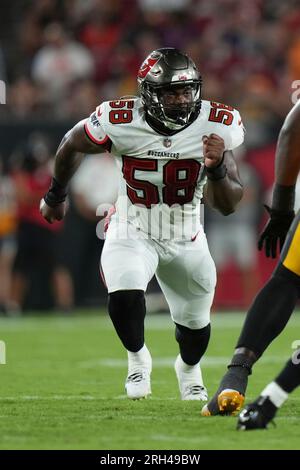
column 63, row 388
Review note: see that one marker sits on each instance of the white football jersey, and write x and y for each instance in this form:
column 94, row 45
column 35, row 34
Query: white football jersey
column 161, row 177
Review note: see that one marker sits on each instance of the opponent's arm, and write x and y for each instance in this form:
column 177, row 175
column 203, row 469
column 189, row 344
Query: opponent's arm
column 68, row 157
column 224, row 188
column 287, row 167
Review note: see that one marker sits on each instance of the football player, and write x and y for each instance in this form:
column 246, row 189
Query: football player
column 273, row 306
column 169, row 146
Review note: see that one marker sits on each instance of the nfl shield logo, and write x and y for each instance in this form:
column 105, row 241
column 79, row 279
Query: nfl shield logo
column 167, row 142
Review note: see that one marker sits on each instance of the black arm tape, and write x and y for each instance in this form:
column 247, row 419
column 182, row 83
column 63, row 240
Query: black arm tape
column 218, row 172
column 56, row 194
column 283, row 198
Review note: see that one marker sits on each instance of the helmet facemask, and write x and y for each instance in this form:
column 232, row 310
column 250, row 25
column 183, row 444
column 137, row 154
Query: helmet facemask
column 178, row 103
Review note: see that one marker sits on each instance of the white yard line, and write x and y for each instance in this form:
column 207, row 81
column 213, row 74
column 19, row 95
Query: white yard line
column 153, row 322
column 160, row 362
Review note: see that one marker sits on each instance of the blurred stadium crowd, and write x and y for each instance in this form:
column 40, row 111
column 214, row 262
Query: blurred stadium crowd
column 61, row 58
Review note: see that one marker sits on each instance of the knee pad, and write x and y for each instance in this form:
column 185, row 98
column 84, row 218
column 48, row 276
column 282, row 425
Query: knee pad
column 192, row 343
column 127, row 311
column 125, row 300
column 183, row 333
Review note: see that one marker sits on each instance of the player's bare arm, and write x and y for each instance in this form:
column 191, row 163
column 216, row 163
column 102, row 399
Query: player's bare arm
column 287, row 167
column 224, row 188
column 74, row 145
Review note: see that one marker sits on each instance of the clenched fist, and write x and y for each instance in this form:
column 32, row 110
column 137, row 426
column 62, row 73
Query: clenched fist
column 51, row 214
column 213, row 149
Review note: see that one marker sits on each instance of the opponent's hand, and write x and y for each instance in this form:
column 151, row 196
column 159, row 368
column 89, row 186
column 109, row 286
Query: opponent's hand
column 213, row 149
column 51, row 214
column 275, row 231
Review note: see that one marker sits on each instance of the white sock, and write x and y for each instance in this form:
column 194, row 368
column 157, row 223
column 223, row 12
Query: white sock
column 193, row 371
column 275, row 393
column 141, row 357
column 186, row 367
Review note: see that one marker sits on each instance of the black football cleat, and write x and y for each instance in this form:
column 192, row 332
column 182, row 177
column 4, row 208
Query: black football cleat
column 230, row 396
column 257, row 415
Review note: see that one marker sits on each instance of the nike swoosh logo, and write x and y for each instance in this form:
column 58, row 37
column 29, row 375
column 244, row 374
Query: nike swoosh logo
column 194, row 237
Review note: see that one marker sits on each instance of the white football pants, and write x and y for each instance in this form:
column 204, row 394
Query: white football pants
column 184, row 270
